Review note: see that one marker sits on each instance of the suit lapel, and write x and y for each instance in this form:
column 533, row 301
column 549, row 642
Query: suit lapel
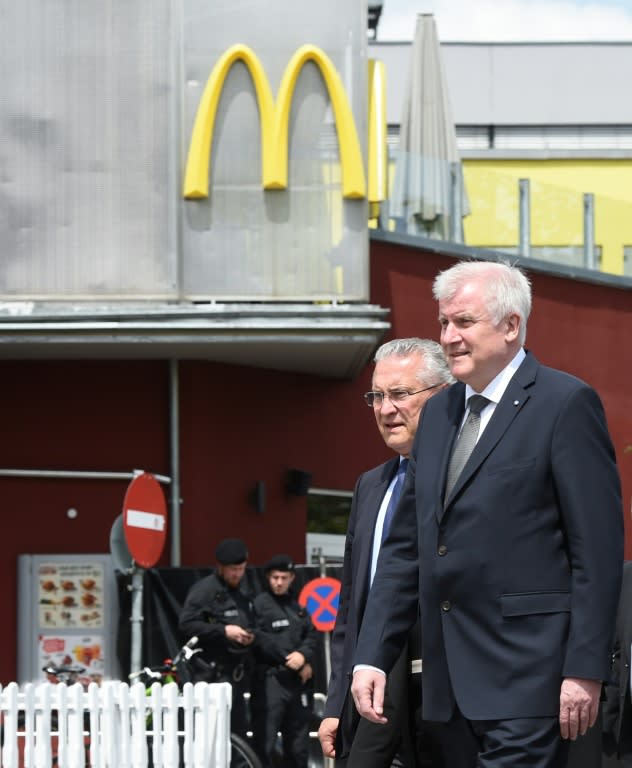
column 510, row 405
column 364, row 536
column 454, row 416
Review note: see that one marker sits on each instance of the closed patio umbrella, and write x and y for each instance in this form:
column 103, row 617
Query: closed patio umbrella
column 429, row 196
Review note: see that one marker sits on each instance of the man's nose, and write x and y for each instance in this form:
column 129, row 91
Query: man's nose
column 449, row 334
column 387, row 405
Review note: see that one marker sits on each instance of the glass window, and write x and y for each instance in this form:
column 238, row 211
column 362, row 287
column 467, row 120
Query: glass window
column 327, row 519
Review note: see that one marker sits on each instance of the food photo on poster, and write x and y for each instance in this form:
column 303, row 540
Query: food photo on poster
column 83, row 653
column 71, row 595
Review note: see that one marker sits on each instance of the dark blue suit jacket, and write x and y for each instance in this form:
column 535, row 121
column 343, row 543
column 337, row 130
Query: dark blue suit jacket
column 519, row 574
column 367, row 498
column 617, row 707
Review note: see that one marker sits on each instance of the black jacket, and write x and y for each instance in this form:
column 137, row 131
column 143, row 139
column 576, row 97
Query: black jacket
column 209, row 606
column 282, row 626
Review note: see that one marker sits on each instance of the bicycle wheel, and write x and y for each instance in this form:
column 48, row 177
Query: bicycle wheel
column 242, row 755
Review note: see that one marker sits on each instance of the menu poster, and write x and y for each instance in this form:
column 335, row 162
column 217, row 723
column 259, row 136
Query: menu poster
column 84, row 653
column 70, row 595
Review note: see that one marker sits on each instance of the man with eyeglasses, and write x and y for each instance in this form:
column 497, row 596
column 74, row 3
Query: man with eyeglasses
column 407, row 373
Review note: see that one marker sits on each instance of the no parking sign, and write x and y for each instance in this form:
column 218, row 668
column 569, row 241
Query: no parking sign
column 320, row 598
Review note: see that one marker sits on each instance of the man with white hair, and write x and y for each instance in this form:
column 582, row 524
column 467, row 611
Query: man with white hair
column 509, row 533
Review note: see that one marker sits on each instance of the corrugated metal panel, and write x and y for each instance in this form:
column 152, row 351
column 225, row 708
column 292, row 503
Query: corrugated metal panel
column 472, row 137
column 529, row 138
column 523, row 83
column 306, row 241
column 86, row 149
column 566, row 137
column 96, row 110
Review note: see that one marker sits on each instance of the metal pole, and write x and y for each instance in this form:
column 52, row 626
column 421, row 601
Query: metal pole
column 589, row 232
column 456, row 211
column 327, row 762
column 323, row 572
column 137, row 619
column 77, row 474
column 524, row 248
column 174, row 436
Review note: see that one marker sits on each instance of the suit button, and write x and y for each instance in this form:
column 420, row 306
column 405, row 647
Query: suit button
column 443, row 550
column 445, row 605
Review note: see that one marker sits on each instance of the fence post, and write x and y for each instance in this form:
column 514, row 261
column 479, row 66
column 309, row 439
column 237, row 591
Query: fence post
column 76, row 753
column 187, row 716
column 43, row 751
column 203, row 728
column 589, row 231
column 170, row 726
column 110, row 725
column 10, row 752
column 524, row 194
column 29, row 724
column 139, row 752
column 456, row 210
column 124, row 757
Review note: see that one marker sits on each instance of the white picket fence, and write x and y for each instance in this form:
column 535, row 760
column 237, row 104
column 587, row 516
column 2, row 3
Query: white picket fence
column 115, row 725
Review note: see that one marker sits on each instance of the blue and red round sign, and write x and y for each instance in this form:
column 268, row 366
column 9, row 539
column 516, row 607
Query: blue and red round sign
column 320, row 598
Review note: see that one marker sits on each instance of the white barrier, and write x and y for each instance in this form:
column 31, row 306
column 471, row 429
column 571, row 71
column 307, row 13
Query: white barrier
column 115, row 725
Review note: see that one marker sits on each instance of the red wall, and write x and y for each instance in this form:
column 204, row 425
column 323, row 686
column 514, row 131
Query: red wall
column 239, row 425
column 582, row 328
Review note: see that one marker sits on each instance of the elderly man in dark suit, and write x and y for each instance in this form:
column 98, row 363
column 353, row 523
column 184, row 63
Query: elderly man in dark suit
column 509, row 532
column 407, row 373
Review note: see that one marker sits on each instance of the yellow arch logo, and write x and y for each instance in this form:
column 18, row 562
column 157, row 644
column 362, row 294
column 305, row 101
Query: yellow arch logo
column 274, row 118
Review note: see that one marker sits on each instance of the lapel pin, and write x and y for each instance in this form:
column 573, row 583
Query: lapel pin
column 516, row 402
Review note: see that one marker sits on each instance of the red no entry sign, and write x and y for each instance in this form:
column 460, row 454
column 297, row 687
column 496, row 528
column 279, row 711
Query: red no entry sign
column 320, row 598
column 145, row 519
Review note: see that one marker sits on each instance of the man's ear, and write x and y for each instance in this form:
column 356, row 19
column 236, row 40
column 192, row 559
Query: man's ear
column 512, row 326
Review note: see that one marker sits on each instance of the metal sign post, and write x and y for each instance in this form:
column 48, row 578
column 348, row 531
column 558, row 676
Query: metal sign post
column 145, row 526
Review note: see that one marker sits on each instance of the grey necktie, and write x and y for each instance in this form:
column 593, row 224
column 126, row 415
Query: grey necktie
column 465, row 442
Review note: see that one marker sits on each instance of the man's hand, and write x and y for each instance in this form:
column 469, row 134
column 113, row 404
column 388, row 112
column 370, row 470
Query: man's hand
column 295, row 660
column 238, row 634
column 579, row 706
column 367, row 689
column 327, row 735
column 305, row 672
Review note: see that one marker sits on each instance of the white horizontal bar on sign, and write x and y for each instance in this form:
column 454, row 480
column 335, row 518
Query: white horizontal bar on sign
column 138, row 519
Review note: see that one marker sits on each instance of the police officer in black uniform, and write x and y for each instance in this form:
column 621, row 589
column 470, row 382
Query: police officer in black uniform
column 220, row 611
column 283, row 693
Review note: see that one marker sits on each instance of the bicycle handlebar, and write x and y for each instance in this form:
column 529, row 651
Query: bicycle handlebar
column 185, row 653
column 156, row 673
column 62, row 670
column 188, row 650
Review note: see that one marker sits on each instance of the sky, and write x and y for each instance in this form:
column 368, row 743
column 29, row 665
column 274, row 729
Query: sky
column 511, row 20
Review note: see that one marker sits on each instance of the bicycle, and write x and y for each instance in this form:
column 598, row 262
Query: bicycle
column 69, row 674
column 54, row 674
column 242, row 754
column 64, row 673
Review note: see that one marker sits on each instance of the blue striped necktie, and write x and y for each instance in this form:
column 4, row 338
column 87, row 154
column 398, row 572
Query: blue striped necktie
column 396, row 493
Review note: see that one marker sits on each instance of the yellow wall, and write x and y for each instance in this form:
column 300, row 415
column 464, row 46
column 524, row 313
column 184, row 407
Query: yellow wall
column 557, row 189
